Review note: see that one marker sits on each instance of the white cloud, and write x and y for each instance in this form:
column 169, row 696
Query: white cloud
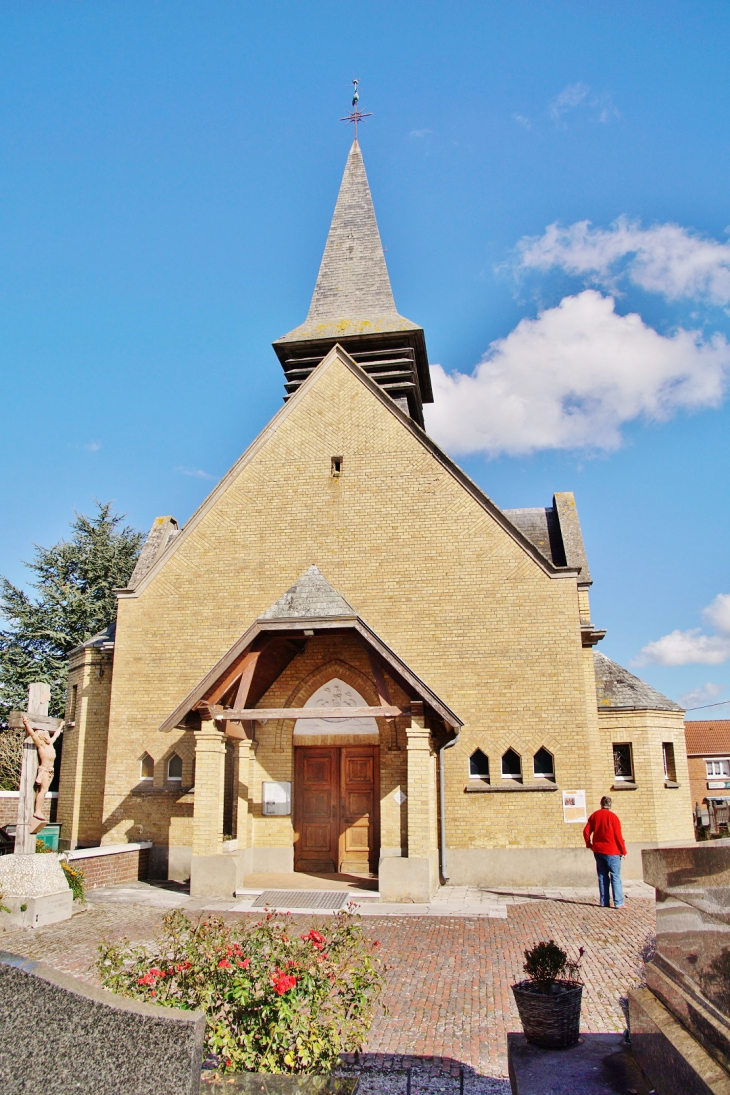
column 419, row 133
column 196, row 473
column 699, row 697
column 568, row 99
column 666, row 258
column 571, row 378
column 578, row 95
column 93, row 446
column 694, row 647
column 522, row 120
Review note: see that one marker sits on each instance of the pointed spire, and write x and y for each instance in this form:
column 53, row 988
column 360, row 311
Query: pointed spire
column 353, row 294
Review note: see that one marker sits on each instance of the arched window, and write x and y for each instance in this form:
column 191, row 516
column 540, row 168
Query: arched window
column 478, row 765
column 146, row 766
column 544, row 765
column 174, row 769
column 511, row 765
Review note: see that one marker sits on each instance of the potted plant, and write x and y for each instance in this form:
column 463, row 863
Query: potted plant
column 549, row 1000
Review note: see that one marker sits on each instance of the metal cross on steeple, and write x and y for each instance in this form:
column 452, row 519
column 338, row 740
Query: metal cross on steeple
column 356, row 115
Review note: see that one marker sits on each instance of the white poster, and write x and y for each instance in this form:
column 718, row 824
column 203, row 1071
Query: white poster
column 574, row 807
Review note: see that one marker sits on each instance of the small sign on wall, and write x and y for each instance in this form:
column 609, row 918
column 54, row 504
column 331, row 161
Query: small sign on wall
column 574, row 807
column 277, row 798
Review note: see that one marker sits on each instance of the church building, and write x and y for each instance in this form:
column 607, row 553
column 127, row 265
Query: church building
column 350, row 661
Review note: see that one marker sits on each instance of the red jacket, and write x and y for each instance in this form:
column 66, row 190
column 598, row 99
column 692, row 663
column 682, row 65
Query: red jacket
column 606, row 830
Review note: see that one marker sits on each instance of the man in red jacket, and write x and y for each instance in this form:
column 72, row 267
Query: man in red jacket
column 603, row 836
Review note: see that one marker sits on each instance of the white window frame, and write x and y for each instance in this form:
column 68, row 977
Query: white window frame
column 624, row 779
column 174, row 779
column 475, row 775
column 510, row 775
column 544, row 775
column 719, row 761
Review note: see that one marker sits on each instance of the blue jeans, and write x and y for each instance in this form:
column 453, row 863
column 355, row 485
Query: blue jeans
column 609, row 878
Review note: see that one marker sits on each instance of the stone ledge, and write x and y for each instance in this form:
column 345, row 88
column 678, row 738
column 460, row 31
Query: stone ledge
column 108, row 849
column 500, row 788
column 625, row 786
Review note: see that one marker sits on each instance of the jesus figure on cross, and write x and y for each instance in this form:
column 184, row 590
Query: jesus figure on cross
column 46, row 760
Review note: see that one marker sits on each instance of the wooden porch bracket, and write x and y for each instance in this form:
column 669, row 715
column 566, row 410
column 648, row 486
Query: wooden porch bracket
column 261, row 714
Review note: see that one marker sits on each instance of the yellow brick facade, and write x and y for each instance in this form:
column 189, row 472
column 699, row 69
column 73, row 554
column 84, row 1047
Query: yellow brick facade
column 457, row 596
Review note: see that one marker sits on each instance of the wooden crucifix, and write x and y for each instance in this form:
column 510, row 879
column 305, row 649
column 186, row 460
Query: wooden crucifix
column 35, row 777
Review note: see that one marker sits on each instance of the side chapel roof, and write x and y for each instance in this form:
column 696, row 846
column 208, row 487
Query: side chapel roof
column 617, row 688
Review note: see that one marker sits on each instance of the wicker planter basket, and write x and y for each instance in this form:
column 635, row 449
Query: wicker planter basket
column 551, row 1020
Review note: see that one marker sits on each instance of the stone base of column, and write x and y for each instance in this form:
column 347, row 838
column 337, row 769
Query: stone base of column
column 216, row 875
column 35, row 890
column 668, row 1054
column 408, row 879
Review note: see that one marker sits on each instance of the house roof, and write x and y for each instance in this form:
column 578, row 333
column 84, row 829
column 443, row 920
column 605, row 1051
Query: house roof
column 617, row 688
column 352, row 295
column 707, row 736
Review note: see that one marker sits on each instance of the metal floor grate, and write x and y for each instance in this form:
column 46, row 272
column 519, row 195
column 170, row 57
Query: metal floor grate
column 302, row 899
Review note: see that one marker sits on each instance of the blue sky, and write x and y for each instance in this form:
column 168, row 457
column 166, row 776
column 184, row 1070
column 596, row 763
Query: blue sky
column 168, row 172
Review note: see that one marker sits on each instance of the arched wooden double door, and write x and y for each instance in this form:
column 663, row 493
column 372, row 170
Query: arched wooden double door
column 336, row 809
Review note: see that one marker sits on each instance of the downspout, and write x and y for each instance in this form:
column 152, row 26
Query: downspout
column 442, row 803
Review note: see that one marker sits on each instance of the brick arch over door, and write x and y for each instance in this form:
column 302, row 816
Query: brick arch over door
column 306, row 688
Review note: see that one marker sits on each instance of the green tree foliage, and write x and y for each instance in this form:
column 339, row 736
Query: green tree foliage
column 74, row 580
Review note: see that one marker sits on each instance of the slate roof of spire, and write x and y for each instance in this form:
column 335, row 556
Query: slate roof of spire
column 311, row 595
column 353, row 294
column 616, row 687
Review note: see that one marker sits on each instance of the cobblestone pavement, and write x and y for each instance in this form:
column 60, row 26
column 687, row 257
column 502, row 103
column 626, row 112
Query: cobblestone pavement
column 447, row 1001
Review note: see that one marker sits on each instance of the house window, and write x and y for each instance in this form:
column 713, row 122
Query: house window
column 670, row 769
column 543, row 764
column 717, row 768
column 146, row 766
column 478, row 765
column 511, row 765
column 174, row 769
column 623, row 763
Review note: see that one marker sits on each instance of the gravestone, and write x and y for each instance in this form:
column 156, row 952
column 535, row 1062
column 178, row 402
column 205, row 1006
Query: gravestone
column 680, row 1023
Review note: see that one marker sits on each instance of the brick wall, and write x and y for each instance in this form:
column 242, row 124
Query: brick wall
column 426, row 565
column 114, row 869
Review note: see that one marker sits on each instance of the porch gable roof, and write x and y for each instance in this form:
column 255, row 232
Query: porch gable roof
column 248, row 669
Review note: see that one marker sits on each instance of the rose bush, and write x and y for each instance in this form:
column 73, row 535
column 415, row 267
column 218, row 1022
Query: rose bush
column 275, row 999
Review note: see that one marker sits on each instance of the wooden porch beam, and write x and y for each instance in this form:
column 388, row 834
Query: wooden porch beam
column 244, row 670
column 261, row 714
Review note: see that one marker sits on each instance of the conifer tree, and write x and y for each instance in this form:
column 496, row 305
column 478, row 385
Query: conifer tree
column 74, row 580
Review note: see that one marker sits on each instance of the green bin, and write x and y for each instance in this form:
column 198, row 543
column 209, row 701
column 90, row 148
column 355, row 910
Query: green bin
column 49, row 835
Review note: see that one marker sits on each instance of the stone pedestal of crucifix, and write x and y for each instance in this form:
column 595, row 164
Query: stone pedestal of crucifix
column 33, row 887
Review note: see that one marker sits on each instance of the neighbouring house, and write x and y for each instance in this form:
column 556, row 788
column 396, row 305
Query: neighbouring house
column 708, row 761
column 351, row 660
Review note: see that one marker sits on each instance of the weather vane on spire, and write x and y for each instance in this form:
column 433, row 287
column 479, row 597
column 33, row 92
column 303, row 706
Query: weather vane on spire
column 357, row 115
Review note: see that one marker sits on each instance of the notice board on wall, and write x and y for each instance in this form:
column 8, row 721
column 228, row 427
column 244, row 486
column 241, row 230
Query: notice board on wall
column 574, row 807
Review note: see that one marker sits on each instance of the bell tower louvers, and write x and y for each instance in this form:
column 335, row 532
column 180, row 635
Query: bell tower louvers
column 353, row 304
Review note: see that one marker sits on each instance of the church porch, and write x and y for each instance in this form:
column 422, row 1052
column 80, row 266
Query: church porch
column 316, row 753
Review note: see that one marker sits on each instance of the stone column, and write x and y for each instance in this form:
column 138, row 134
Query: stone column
column 415, row 878
column 244, row 820
column 210, row 762
column 419, row 788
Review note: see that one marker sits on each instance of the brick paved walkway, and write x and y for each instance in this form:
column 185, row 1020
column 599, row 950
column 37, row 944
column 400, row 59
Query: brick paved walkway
column 447, row 994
